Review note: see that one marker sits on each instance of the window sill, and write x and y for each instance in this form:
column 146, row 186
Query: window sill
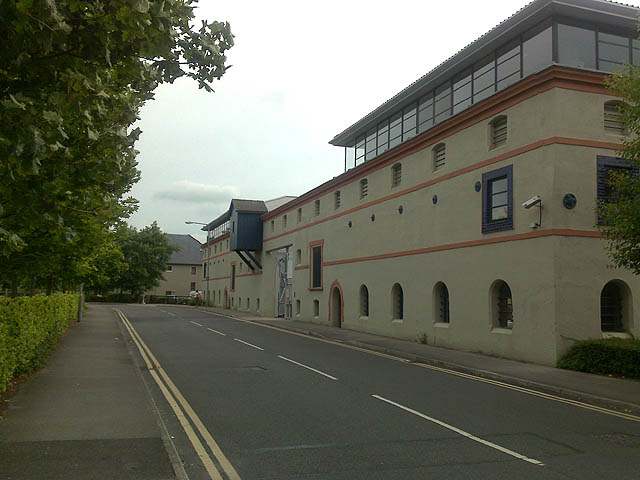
column 398, row 321
column 315, row 289
column 441, row 325
column 502, row 331
column 362, row 317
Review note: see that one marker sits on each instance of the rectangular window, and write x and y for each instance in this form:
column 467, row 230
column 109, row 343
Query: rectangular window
column 484, row 79
column 461, row 92
column 439, row 156
column 360, row 142
column 497, row 200
column 273, row 225
column 192, row 286
column 299, row 215
column 316, row 266
column 233, row 276
column 395, row 130
column 284, row 221
column 336, row 197
column 370, row 146
column 204, row 270
column 168, row 292
column 169, row 268
column 425, row 113
column 383, row 137
column 508, row 65
column 443, row 103
column 193, row 270
column 606, row 168
column 499, row 131
column 576, row 47
column 613, row 52
column 537, row 51
column 613, row 122
column 317, row 208
column 364, row 188
column 409, row 122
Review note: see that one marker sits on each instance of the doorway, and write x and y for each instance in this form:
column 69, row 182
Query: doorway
column 336, row 307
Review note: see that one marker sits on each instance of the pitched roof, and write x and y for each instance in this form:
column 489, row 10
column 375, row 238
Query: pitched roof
column 189, row 253
column 248, row 205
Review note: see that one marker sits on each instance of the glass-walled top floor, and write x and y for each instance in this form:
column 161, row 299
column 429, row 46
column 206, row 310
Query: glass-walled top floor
column 560, row 42
column 218, row 231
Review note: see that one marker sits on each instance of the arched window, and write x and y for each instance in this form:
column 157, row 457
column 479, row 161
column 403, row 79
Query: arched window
column 441, row 303
column 498, row 131
column 248, row 303
column 439, row 156
column 364, row 301
column 396, row 175
column 502, row 305
column 613, row 117
column 615, row 307
column 298, row 257
column 316, row 308
column 397, row 302
column 257, row 304
column 364, row 188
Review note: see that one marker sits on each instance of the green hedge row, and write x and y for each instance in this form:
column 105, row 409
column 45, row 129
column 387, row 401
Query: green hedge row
column 29, row 328
column 611, row 356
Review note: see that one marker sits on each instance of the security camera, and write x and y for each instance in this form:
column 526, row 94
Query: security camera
column 532, row 202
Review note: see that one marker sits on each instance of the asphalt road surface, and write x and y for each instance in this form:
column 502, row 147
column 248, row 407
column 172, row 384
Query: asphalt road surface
column 284, row 406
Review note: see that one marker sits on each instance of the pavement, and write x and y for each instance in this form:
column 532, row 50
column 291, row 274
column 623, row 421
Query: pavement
column 609, row 392
column 89, row 414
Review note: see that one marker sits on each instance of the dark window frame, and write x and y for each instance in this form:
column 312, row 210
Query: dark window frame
column 605, row 163
column 488, row 225
column 233, row 276
column 316, row 281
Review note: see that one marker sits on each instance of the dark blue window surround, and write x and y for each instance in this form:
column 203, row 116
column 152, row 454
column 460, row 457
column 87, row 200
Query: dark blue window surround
column 493, row 200
column 605, row 166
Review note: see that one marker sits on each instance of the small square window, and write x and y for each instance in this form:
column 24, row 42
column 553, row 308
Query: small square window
column 497, row 200
column 169, row 268
column 193, row 270
column 317, row 208
column 192, row 286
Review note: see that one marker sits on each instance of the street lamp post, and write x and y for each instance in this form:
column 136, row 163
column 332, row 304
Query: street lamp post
column 189, row 222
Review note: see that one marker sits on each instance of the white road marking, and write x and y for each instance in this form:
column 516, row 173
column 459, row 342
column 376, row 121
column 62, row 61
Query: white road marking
column 169, row 313
column 528, row 391
column 216, row 331
column 462, row 432
column 247, row 343
column 196, row 323
column 307, row 367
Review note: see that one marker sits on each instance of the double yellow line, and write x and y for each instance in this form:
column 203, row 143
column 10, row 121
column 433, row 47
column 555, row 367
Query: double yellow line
column 180, row 406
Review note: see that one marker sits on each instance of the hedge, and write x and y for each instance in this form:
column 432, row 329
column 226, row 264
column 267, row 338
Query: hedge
column 29, row 328
column 611, row 356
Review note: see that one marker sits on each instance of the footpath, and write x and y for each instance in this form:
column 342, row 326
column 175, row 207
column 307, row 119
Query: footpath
column 609, row 392
column 86, row 414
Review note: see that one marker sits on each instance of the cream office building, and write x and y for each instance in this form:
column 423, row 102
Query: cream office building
column 425, row 234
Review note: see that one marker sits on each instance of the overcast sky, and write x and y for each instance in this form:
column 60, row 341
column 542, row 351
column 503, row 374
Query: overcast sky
column 302, row 73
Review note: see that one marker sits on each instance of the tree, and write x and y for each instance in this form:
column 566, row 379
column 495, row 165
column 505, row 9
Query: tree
column 146, row 253
column 73, row 76
column 620, row 213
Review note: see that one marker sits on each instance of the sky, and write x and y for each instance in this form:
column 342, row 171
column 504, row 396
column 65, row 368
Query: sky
column 301, row 73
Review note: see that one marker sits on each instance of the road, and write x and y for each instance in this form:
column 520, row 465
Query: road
column 281, row 405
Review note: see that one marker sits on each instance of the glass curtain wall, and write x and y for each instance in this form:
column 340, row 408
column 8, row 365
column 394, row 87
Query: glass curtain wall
column 577, row 46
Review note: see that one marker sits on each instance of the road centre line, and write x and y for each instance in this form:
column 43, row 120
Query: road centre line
column 231, row 473
column 307, row 367
column 173, row 315
column 216, row 331
column 195, row 323
column 247, row 343
column 191, row 435
column 528, row 391
column 462, row 432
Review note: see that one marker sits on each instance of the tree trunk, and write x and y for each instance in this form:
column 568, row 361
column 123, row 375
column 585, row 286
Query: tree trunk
column 49, row 286
column 32, row 290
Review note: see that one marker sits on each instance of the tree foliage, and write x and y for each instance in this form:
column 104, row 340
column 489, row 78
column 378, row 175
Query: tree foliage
column 73, row 76
column 146, row 252
column 620, row 214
